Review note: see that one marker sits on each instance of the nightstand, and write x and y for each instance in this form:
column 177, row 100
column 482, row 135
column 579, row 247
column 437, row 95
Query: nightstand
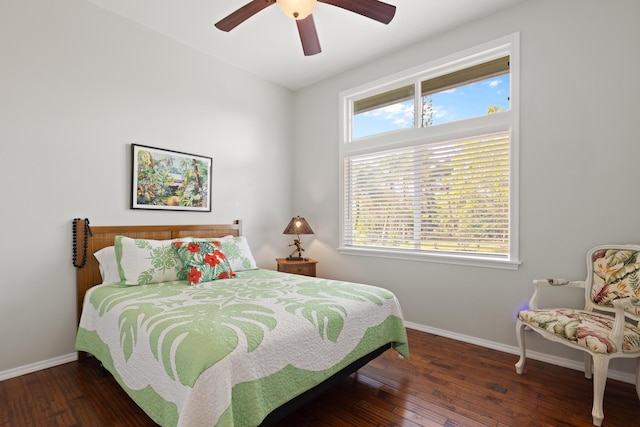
column 305, row 267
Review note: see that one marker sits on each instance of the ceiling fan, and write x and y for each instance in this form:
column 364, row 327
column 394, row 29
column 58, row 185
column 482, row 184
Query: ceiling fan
column 301, row 11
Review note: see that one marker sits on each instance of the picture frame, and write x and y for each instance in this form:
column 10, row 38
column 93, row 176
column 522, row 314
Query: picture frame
column 170, row 180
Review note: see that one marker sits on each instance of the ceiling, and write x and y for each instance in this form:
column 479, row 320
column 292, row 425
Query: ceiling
column 268, row 43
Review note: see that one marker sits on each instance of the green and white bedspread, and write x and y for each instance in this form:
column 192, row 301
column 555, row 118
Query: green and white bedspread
column 228, row 352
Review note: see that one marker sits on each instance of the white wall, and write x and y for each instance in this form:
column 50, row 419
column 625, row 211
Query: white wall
column 78, row 85
column 579, row 151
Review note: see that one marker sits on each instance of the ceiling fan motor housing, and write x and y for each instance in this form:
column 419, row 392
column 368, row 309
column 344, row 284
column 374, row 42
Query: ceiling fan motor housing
column 297, row 9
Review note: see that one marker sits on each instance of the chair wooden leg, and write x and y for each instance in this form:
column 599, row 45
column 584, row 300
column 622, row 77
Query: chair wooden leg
column 520, row 335
column 588, row 366
column 601, row 366
column 638, row 377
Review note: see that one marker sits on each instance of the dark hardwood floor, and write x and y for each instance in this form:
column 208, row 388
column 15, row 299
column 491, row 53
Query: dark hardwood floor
column 445, row 383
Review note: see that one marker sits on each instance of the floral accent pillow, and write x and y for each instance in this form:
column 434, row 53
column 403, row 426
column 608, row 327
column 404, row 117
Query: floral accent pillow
column 203, row 261
column 143, row 261
column 237, row 251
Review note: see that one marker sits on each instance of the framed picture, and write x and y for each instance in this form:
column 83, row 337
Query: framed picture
column 170, row 180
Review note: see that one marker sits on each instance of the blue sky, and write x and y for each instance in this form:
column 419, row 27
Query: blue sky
column 456, row 104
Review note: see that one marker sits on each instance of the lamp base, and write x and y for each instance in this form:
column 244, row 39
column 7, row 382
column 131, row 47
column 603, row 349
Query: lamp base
column 296, row 258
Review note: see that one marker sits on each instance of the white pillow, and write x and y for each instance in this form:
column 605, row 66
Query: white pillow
column 108, row 265
column 237, row 251
column 143, row 261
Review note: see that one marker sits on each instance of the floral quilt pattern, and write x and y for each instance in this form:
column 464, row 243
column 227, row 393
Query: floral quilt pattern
column 229, row 351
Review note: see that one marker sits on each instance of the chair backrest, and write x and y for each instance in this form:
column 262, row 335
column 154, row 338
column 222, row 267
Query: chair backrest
column 613, row 272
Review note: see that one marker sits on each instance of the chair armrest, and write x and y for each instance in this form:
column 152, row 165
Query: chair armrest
column 552, row 283
column 621, row 305
column 630, row 307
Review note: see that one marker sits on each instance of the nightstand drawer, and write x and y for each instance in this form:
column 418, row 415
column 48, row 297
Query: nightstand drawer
column 304, row 267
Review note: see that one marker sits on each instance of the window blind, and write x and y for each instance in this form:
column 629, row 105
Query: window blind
column 450, row 196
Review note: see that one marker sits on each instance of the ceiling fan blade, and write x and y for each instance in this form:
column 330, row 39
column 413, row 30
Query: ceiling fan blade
column 374, row 9
column 308, row 36
column 236, row 18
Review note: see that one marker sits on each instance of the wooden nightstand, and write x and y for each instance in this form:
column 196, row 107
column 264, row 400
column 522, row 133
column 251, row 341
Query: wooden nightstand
column 306, row 267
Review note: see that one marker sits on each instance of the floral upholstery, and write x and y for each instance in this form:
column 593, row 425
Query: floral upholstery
column 583, row 328
column 612, row 285
column 615, row 275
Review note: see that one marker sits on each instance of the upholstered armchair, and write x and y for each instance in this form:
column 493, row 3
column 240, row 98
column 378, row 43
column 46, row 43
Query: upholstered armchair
column 606, row 328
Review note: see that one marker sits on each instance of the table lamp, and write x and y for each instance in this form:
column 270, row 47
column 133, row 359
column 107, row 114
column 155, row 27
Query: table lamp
column 297, row 226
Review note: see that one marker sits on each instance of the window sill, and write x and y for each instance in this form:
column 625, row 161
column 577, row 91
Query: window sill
column 455, row 259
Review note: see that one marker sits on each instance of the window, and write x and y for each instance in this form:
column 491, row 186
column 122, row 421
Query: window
column 429, row 161
column 388, row 111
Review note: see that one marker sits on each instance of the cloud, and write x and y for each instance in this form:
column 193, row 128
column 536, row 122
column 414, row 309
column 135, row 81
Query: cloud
column 400, row 114
column 440, row 111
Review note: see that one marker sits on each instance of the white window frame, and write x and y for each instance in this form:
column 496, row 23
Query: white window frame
column 506, row 120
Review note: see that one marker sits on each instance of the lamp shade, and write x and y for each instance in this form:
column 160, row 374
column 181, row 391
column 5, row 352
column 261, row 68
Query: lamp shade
column 297, row 9
column 298, row 225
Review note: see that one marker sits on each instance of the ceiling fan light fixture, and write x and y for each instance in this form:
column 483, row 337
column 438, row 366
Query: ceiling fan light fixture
column 297, row 9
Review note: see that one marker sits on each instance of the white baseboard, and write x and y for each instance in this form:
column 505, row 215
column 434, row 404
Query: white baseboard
column 559, row 361
column 542, row 357
column 33, row 367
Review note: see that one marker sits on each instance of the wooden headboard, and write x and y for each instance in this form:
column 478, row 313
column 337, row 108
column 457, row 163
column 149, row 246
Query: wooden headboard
column 103, row 236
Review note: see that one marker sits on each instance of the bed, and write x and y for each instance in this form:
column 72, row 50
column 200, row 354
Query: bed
column 197, row 334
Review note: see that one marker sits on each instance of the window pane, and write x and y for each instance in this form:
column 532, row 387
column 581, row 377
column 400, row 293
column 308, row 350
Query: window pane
column 465, row 101
column 450, row 196
column 384, row 112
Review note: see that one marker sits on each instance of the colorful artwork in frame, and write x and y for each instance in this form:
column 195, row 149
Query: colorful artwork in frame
column 170, row 180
